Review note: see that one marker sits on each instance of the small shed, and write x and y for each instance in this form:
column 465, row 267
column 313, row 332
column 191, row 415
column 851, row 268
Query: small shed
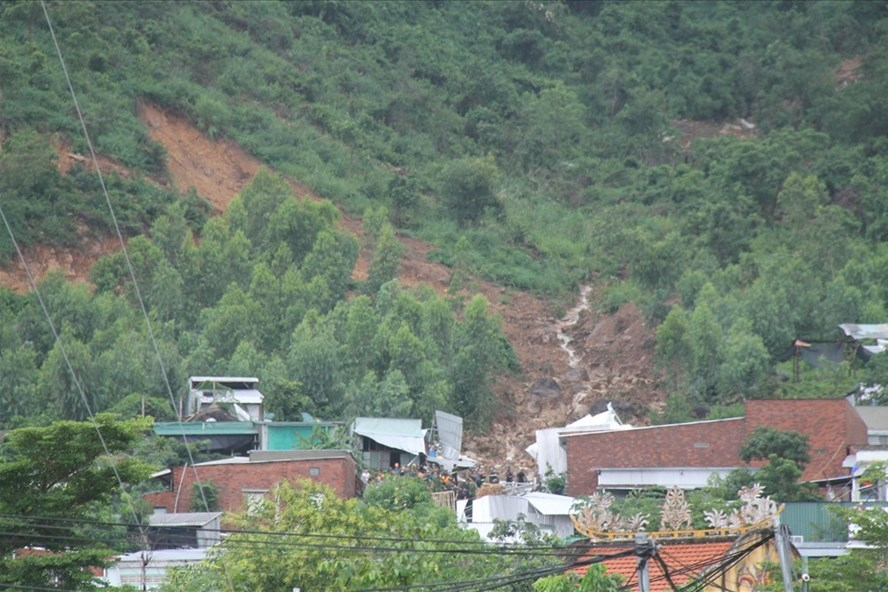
column 548, row 511
column 383, row 442
column 184, row 529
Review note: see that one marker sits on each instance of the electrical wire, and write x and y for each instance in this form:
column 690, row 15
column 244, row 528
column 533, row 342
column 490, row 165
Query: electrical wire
column 491, row 583
column 129, row 265
column 126, row 256
column 508, row 548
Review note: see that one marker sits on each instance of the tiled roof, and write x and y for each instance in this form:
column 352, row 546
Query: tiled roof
column 685, row 562
column 832, row 426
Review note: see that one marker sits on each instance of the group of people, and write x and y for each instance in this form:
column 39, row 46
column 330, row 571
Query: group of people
column 464, row 483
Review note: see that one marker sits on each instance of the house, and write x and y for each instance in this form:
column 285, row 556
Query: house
column 548, row 451
column 730, row 554
column 876, row 420
column 547, row 511
column 239, row 480
column 687, row 454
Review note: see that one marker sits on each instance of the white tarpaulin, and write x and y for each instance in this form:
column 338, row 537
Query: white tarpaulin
column 548, row 452
column 400, row 434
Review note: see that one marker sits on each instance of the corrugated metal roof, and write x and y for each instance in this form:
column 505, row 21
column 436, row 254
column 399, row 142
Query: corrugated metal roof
column 222, row 379
column 875, row 418
column 183, row 519
column 158, row 556
column 400, row 434
column 209, row 428
column 245, row 396
column 856, row 331
column 550, row 504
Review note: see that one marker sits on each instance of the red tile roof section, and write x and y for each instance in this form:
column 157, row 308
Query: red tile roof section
column 832, row 425
column 684, row 561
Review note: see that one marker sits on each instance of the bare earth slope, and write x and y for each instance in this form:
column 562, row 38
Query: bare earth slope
column 614, row 351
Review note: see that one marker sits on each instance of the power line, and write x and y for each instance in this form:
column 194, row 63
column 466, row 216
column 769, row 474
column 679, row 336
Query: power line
column 485, row 545
column 126, row 256
column 129, row 266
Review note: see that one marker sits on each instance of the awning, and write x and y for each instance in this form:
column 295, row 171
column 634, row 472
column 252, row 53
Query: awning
column 400, row 434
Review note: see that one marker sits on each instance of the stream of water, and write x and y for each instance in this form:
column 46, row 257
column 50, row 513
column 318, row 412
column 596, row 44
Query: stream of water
column 569, row 320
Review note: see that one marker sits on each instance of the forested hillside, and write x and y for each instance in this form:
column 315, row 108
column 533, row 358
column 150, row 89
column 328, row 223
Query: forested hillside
column 721, row 166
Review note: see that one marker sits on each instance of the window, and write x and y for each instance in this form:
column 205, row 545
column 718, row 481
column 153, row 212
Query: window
column 314, row 471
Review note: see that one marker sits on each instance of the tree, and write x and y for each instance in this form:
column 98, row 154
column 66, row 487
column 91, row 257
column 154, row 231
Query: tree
column 786, row 453
column 58, row 475
column 386, row 259
column 594, row 580
column 480, row 349
column 766, row 440
column 468, row 188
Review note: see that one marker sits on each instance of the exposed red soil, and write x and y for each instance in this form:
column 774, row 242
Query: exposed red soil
column 74, row 264
column 848, row 72
column 616, row 350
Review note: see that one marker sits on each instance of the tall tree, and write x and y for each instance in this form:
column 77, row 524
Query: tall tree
column 51, row 477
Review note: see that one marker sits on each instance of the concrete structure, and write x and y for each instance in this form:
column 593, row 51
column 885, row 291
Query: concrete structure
column 548, row 450
column 241, row 393
column 239, row 480
column 686, row 454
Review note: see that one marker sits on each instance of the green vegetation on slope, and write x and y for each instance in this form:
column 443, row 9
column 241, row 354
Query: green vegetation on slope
column 535, row 143
column 263, row 293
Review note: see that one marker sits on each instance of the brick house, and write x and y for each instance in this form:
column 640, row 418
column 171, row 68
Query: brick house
column 687, row 454
column 238, row 480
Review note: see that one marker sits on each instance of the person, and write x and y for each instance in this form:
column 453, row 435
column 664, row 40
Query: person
column 396, row 469
column 509, row 476
column 365, row 477
column 522, row 478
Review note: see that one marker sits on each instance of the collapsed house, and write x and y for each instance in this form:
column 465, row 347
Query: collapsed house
column 549, row 452
column 386, row 443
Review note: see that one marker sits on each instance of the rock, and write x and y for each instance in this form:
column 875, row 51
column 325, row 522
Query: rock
column 576, row 375
column 546, row 387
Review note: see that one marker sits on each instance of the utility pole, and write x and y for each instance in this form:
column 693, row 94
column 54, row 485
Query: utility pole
column 644, row 548
column 781, row 536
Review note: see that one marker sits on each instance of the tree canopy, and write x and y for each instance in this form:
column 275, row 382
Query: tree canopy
column 63, row 475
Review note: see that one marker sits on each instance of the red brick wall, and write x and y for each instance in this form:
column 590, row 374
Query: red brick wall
column 832, row 425
column 699, row 444
column 231, row 479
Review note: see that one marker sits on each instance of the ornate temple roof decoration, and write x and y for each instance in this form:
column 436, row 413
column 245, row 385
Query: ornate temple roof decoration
column 596, row 519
